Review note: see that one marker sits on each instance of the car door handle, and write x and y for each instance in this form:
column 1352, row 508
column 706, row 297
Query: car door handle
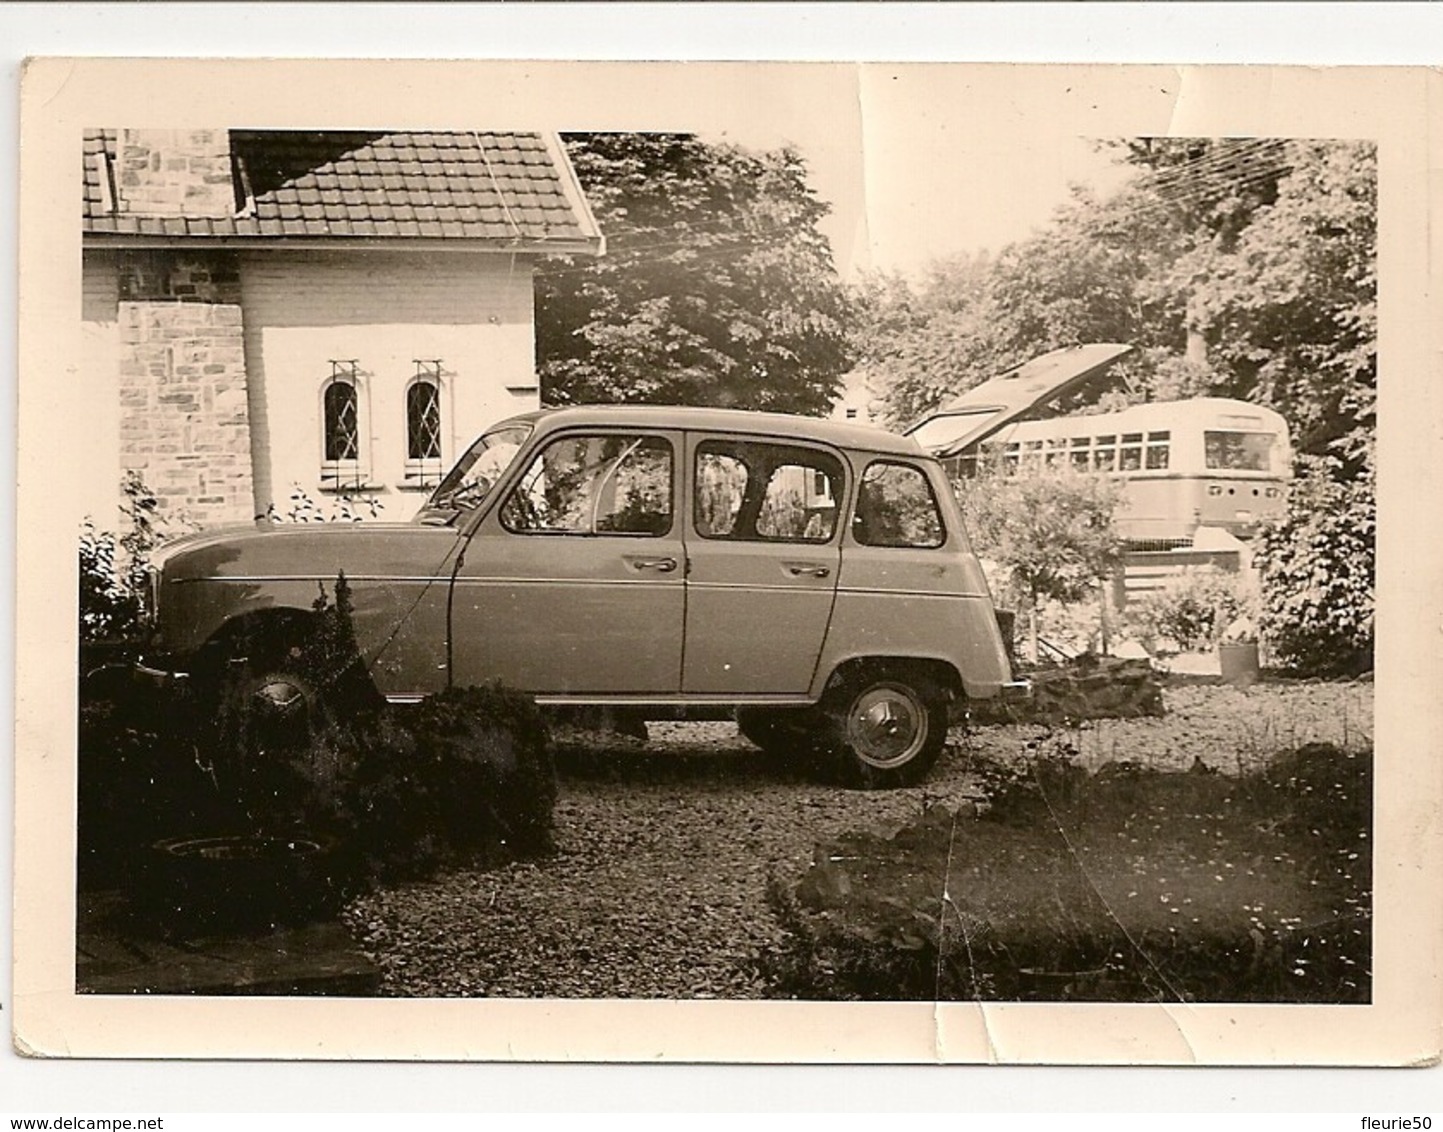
column 660, row 565
column 797, row 571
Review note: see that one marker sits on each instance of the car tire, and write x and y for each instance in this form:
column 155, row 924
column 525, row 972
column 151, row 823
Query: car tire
column 237, row 883
column 265, row 703
column 888, row 728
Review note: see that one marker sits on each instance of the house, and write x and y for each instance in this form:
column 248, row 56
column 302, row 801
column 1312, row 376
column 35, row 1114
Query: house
column 859, row 400
column 329, row 313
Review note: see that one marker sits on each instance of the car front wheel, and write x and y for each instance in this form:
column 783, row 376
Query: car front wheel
column 889, row 729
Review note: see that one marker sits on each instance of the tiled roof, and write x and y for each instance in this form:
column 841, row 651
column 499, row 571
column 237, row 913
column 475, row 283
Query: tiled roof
column 499, row 188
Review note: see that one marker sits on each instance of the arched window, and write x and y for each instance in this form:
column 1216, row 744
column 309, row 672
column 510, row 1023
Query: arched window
column 341, row 427
column 423, row 425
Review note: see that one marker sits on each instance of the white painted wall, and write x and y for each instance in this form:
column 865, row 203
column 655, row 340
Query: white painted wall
column 99, row 375
column 474, row 311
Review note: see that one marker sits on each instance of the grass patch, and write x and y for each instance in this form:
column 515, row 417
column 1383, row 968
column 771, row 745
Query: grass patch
column 1125, row 884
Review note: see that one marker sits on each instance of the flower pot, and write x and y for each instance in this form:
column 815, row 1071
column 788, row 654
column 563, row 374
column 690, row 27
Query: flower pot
column 1238, row 663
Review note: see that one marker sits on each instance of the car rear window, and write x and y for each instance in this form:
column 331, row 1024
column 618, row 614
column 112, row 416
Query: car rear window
column 760, row 492
column 896, row 507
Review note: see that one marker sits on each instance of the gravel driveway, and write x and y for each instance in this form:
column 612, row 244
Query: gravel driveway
column 659, row 888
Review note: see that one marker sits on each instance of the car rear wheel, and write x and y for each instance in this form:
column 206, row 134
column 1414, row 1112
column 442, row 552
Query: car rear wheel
column 889, row 729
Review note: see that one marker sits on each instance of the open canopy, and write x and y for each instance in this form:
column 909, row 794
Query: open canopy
column 985, row 408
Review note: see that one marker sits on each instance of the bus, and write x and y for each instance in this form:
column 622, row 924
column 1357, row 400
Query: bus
column 1203, row 463
column 1207, row 462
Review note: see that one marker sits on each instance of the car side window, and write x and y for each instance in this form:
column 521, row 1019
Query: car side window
column 588, row 485
column 896, row 507
column 756, row 492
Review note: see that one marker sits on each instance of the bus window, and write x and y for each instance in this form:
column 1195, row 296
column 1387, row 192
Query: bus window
column 1238, row 451
column 1104, row 456
column 1011, row 457
column 1131, row 454
column 1157, row 445
column 1031, row 453
column 1081, row 457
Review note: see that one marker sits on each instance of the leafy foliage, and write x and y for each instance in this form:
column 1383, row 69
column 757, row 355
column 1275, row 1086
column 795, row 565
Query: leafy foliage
column 113, row 566
column 465, row 776
column 1048, row 533
column 347, row 508
column 1240, row 268
column 1316, row 567
column 717, row 287
column 1050, row 530
column 109, row 606
column 1191, row 609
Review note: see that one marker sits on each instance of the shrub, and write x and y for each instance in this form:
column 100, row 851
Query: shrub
column 466, row 776
column 1316, row 569
column 139, row 777
column 1049, row 533
column 109, row 607
column 1191, row 609
column 349, row 507
column 113, row 566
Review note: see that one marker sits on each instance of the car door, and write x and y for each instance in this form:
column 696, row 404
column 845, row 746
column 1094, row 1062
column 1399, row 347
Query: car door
column 574, row 584
column 763, row 550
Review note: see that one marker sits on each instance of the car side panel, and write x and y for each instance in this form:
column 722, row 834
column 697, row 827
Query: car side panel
column 923, row 604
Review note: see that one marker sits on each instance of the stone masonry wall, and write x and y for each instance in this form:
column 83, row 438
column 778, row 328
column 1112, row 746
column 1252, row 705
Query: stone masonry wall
column 184, row 423
column 175, row 173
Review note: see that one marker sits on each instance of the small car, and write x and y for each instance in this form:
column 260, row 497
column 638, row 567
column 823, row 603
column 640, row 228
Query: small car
column 809, row 578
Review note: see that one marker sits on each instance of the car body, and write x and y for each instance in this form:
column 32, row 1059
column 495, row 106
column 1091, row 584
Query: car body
column 668, row 561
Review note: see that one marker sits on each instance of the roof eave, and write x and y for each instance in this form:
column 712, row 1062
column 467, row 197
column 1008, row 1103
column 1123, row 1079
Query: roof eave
column 589, row 246
column 571, row 188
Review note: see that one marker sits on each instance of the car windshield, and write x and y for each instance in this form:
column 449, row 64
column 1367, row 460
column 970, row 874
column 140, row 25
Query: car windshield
column 471, row 480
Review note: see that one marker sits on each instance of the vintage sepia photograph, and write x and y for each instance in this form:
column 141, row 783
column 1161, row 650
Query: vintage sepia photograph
column 917, row 555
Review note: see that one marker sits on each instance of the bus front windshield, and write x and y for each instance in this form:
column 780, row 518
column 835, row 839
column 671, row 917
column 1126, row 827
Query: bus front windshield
column 471, row 480
column 1238, row 451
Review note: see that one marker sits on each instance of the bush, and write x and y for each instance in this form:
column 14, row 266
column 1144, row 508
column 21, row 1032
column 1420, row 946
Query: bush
column 389, row 792
column 1316, row 570
column 113, row 567
column 1125, row 885
column 1192, row 609
column 464, row 777
column 1048, row 532
column 140, row 777
column 109, row 605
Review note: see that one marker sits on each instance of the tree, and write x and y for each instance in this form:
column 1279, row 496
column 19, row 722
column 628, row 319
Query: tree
column 1049, row 532
column 1295, row 309
column 1240, row 268
column 717, row 287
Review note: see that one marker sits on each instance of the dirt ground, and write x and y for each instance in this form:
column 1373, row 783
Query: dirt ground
column 665, row 849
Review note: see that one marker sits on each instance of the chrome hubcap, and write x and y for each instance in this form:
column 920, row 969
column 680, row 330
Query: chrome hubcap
column 886, row 727
column 281, row 698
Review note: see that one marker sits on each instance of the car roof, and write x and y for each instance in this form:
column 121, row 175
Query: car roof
column 842, row 434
